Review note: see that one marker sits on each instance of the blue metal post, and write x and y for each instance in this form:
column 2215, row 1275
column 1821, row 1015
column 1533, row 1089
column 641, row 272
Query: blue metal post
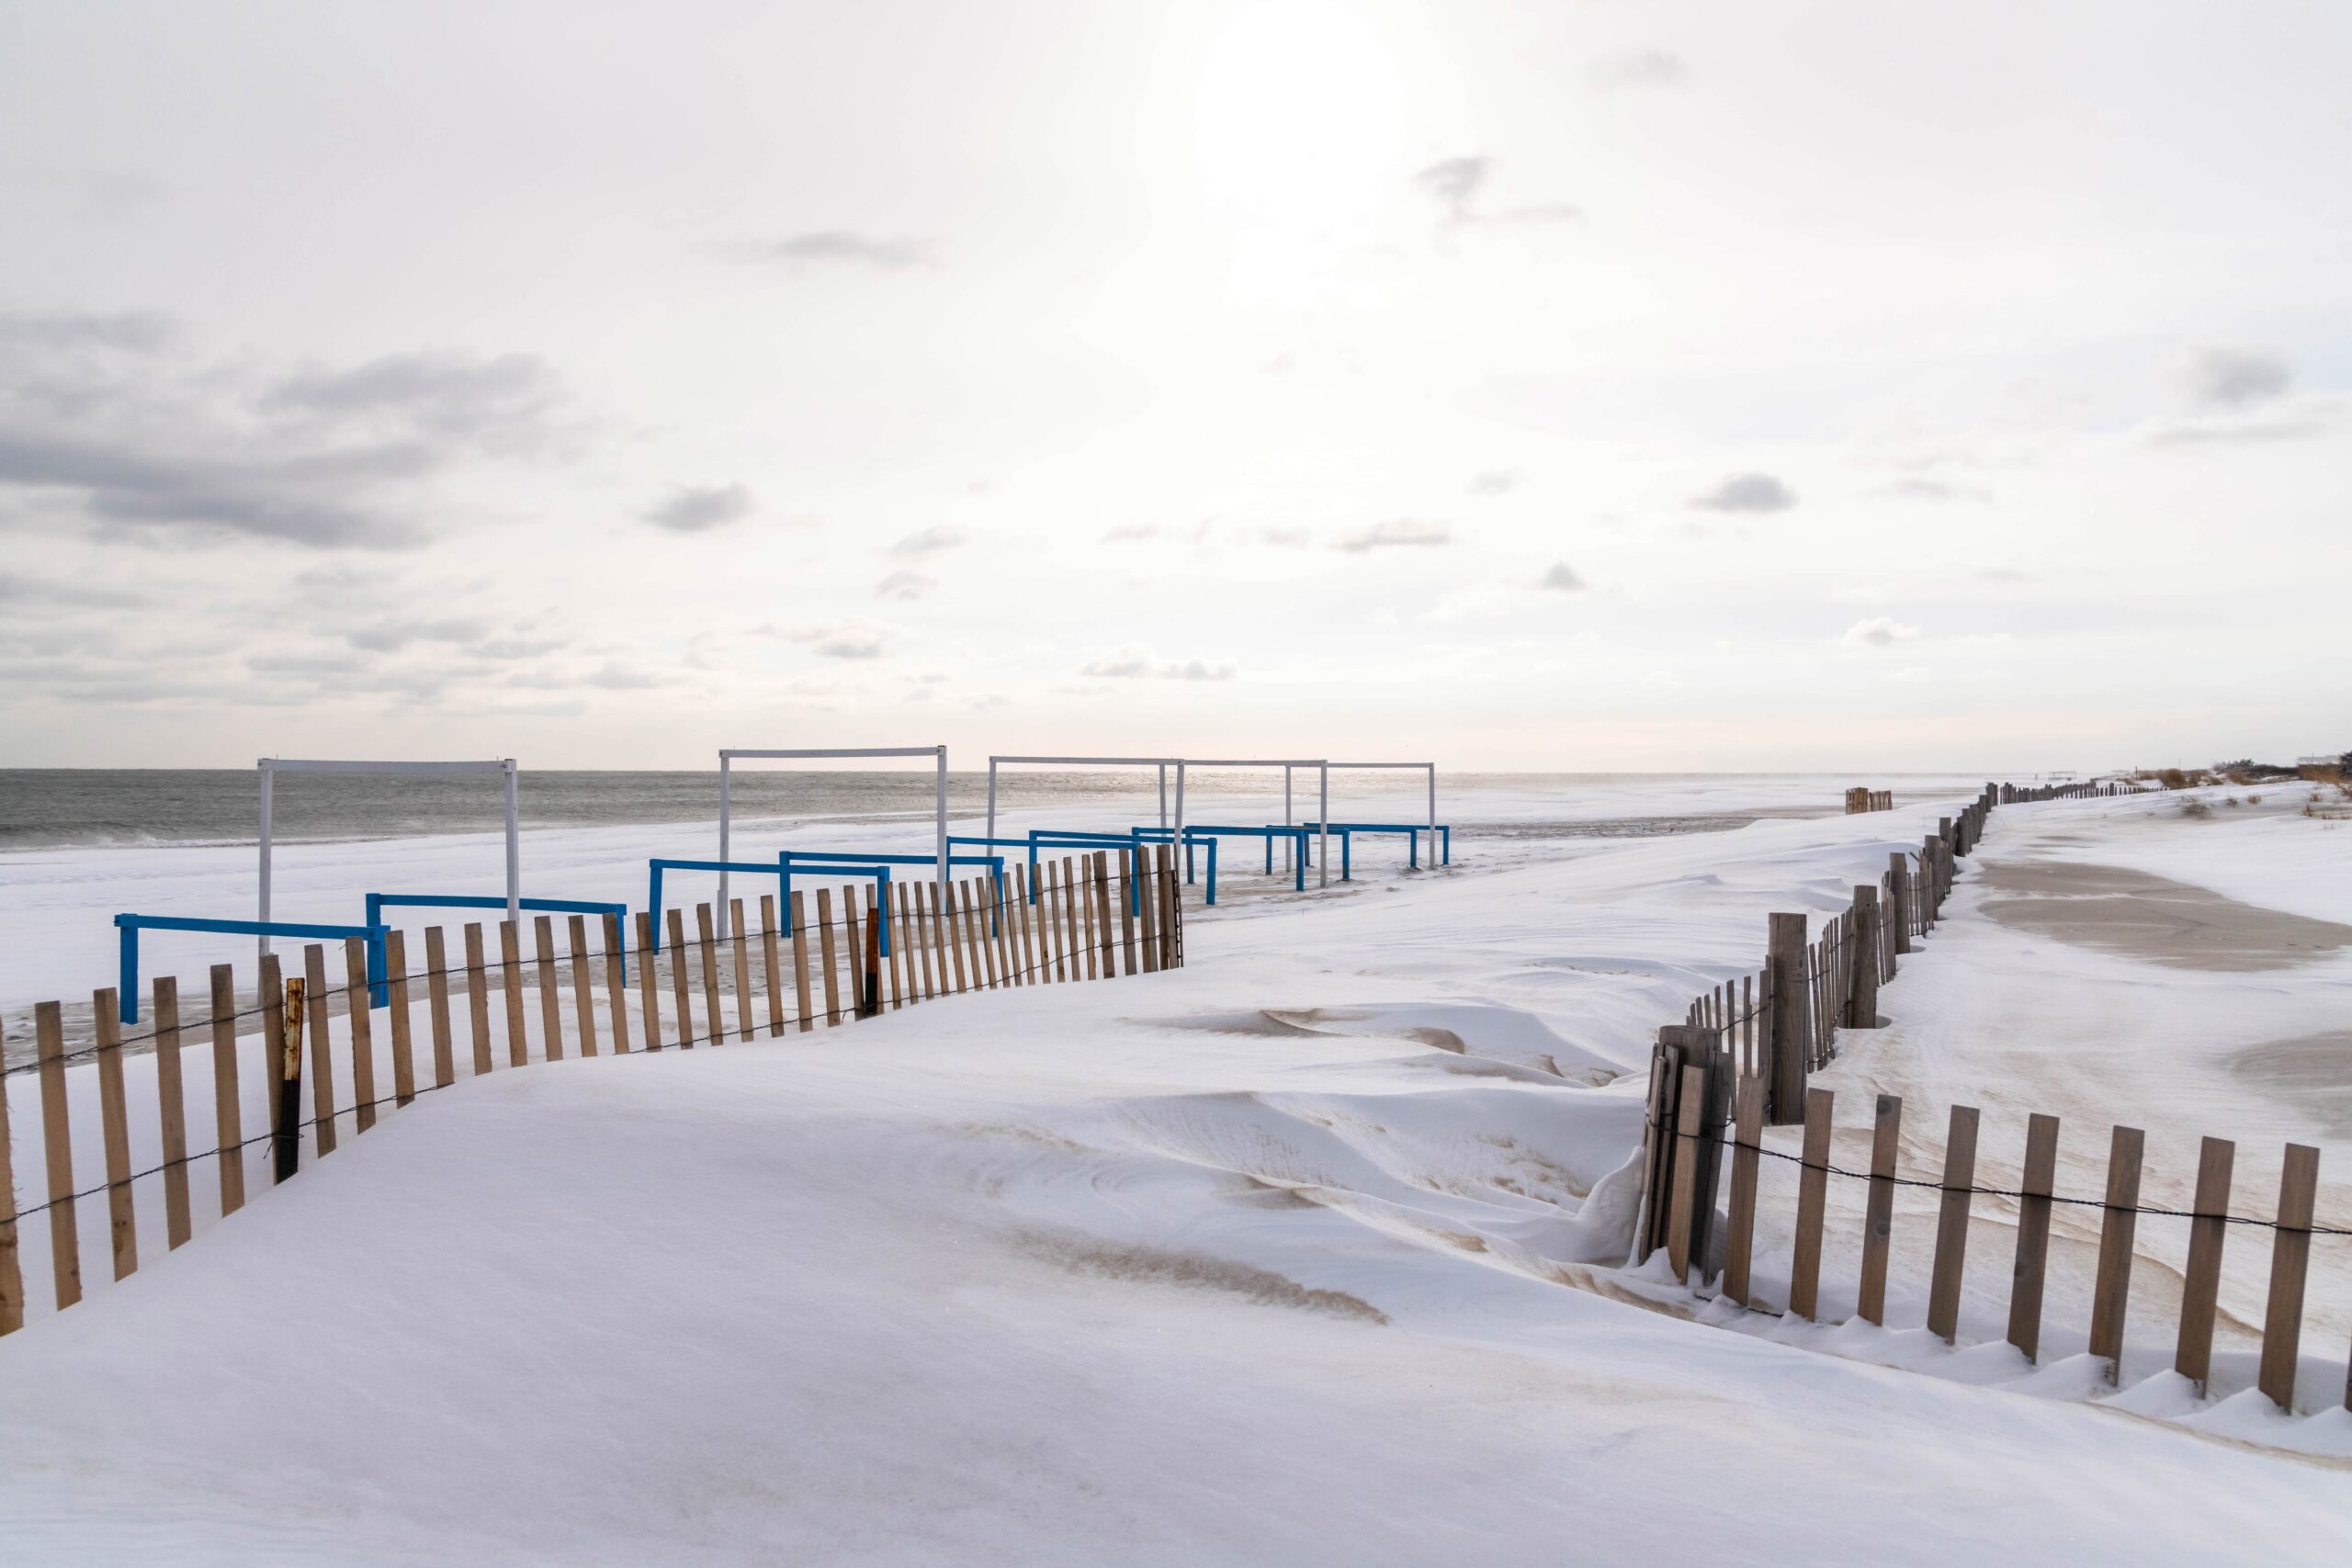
column 128, row 989
column 654, row 904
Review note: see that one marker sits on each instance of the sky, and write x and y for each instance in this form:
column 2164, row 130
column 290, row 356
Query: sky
column 1559, row 386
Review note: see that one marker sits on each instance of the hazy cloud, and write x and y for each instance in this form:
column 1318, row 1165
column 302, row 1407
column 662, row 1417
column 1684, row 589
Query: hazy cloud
column 1935, row 490
column 391, row 636
column 1747, row 492
column 1645, row 68
column 843, row 247
column 97, row 410
column 2236, row 377
column 1455, row 182
column 836, row 639
column 929, row 541
column 1134, row 662
column 905, row 585
column 1564, row 578
column 1396, row 533
column 1494, row 481
column 1878, row 631
column 613, row 677
column 696, row 509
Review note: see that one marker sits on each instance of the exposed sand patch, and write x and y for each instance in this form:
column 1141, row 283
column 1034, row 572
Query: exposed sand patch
column 1151, row 1266
column 2312, row 1072
column 2136, row 915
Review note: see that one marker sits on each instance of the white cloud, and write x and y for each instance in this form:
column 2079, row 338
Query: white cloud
column 1878, row 631
column 1747, row 492
column 1401, row 532
column 1135, row 663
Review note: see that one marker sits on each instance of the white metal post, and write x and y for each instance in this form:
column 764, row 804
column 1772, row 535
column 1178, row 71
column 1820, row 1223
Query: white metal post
column 1290, row 850
column 941, row 811
column 1180, row 803
column 992, row 802
column 267, row 777
column 1323, row 825
column 1163, row 795
column 725, row 831
column 514, row 850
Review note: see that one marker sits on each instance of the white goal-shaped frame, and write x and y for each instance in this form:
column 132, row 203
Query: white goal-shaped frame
column 727, row 756
column 1323, row 814
column 268, row 768
column 1162, row 764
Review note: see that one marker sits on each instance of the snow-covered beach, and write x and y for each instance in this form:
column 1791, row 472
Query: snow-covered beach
column 1306, row 1252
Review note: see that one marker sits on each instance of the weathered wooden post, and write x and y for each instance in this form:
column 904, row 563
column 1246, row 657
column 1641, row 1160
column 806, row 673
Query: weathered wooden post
column 288, row 1142
column 1898, row 883
column 1792, row 1021
column 1861, row 1004
column 1704, row 1108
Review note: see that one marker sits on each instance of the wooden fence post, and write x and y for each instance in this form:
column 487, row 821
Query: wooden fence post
column 403, row 1024
column 284, row 1046
column 2111, row 1291
column 1898, row 884
column 617, row 981
column 1792, row 1025
column 228, row 1114
column 583, row 985
column 358, row 995
column 316, row 1006
column 171, row 1107
column 57, row 1150
column 771, row 965
column 1106, row 934
column 1879, row 1219
column 797, row 912
column 550, row 1004
column 827, row 961
column 113, row 1123
column 1861, row 1006
column 869, row 990
column 12, row 1278
column 510, row 980
column 2026, row 1276
column 744, row 1027
column 1952, row 1225
column 1813, row 1197
column 681, row 983
column 649, row 981
column 2200, row 1281
column 1691, row 1098
column 1739, row 1234
column 477, row 1001
column 703, row 918
column 2291, row 1254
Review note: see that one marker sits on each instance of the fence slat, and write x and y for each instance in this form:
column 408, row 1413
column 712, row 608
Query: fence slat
column 2111, row 1293
column 285, row 1145
column 1127, row 911
column 1879, row 1221
column 403, row 1026
column 910, row 922
column 1147, row 911
column 510, row 978
column 1053, row 904
column 827, row 960
column 965, row 896
column 617, row 981
column 853, row 956
column 945, row 930
column 681, row 982
column 477, row 1005
column 363, row 1033
column 1952, row 1223
column 1739, row 1235
column 551, row 1002
column 800, row 961
column 745, row 1028
column 57, row 1148
column 771, row 965
column 1106, row 932
column 1693, row 1093
column 12, row 1278
column 988, row 928
column 2200, row 1281
column 228, row 1113
column 2290, row 1256
column 171, row 1109
column 583, row 985
column 316, row 1007
column 2027, row 1275
column 114, row 1122
column 649, row 981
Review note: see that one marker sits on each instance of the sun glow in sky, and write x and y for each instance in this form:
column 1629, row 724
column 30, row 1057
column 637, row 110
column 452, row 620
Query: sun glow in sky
column 1530, row 386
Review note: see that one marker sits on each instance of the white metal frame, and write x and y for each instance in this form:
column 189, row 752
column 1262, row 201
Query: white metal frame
column 726, row 805
column 1323, row 816
column 268, row 768
column 1162, row 764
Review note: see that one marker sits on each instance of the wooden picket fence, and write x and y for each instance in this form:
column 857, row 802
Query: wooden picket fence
column 1725, row 1070
column 1863, row 798
column 1104, row 916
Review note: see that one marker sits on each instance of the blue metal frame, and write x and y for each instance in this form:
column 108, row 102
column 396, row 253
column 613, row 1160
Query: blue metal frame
column 842, row 862
column 131, row 925
column 657, row 866
column 1134, row 839
column 1441, row 841
column 1209, row 833
column 377, row 902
